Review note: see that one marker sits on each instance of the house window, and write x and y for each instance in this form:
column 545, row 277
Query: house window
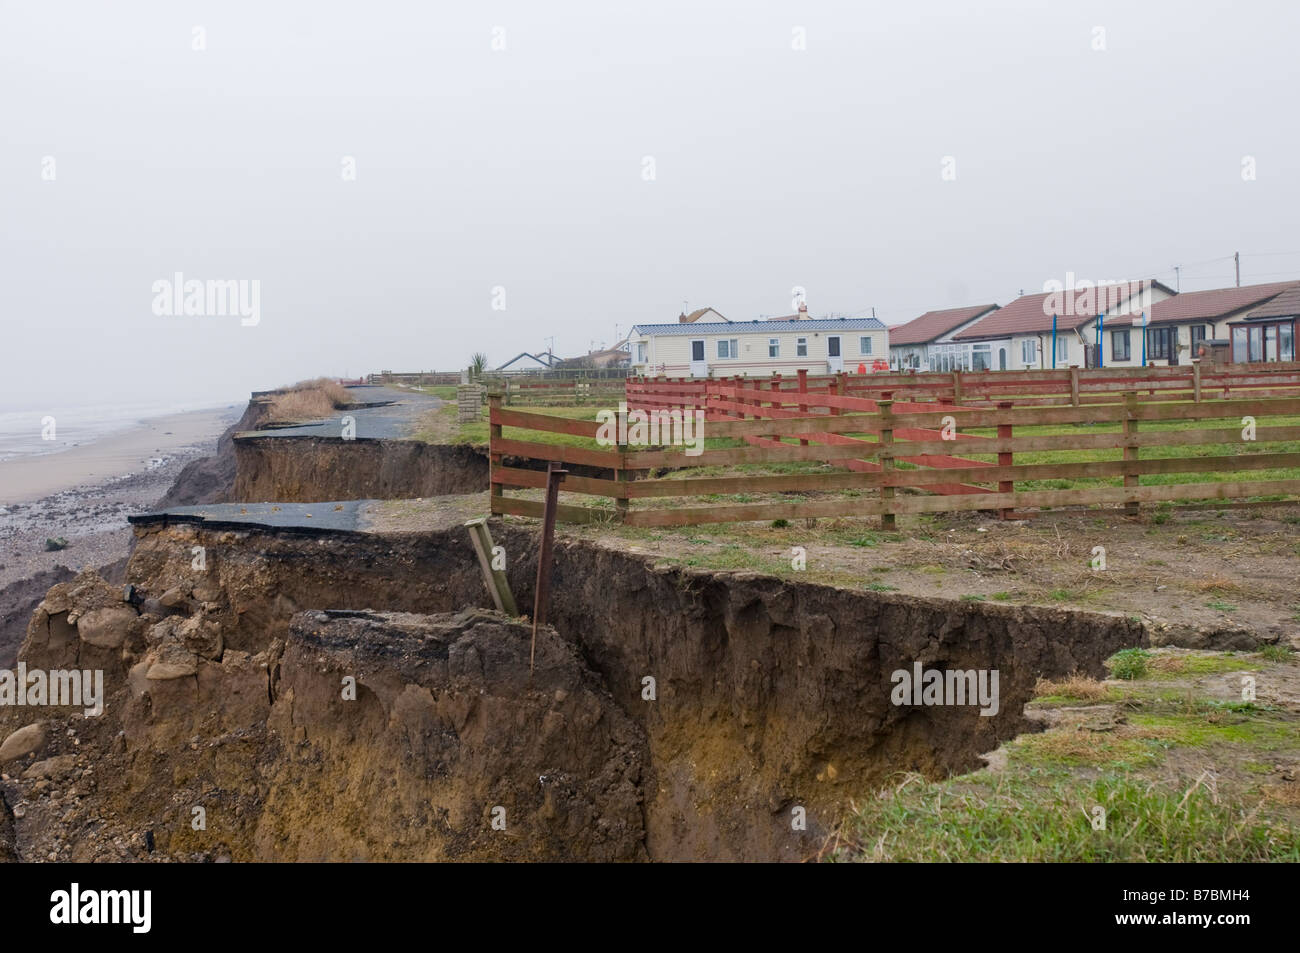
column 864, row 345
column 1160, row 343
column 1119, row 346
column 1198, row 338
column 980, row 357
column 640, row 352
column 1286, row 334
column 1029, row 352
column 801, row 347
column 1062, row 348
column 727, row 349
column 773, row 347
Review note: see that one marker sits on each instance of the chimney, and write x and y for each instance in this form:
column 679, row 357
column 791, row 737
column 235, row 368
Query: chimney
column 681, row 318
column 803, row 311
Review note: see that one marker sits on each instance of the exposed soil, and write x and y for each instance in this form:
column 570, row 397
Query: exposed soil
column 211, row 479
column 288, row 469
column 768, row 695
column 1220, row 578
column 18, row 601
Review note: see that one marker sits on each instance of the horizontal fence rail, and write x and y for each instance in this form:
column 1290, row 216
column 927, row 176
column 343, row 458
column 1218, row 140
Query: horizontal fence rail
column 776, row 451
column 1071, row 385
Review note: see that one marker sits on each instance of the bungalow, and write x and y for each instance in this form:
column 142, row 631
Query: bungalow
column 1177, row 326
column 926, row 343
column 701, row 314
column 717, row 347
column 1267, row 333
column 524, row 362
column 1021, row 333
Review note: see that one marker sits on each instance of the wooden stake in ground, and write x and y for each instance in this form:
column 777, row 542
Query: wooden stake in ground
column 497, row 583
column 542, row 591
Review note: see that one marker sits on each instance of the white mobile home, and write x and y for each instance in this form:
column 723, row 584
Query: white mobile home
column 758, row 348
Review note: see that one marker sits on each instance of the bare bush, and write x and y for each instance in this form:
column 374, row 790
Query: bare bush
column 308, row 400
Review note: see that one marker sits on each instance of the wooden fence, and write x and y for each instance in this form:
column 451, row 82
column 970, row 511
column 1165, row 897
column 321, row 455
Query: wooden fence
column 1073, row 386
column 557, row 392
column 863, row 441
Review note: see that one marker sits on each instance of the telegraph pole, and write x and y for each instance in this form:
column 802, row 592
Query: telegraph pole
column 1236, row 259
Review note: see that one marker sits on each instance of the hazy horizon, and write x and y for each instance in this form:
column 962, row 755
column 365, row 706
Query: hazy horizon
column 793, row 145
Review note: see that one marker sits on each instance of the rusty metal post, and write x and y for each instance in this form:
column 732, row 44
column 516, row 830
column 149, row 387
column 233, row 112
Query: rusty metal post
column 542, row 591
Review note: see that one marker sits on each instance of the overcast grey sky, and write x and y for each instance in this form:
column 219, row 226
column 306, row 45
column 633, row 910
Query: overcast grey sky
column 523, row 168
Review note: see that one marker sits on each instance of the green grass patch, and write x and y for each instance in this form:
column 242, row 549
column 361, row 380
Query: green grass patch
column 1277, row 653
column 1129, row 664
column 1232, row 723
column 1050, row 818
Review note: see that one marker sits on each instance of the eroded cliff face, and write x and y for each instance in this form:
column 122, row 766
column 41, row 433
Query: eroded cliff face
column 361, row 736
column 673, row 714
column 212, row 479
column 288, row 469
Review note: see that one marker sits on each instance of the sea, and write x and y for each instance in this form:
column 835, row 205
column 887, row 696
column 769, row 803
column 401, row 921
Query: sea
column 50, row 429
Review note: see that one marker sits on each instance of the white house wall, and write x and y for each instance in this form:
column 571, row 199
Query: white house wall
column 670, row 354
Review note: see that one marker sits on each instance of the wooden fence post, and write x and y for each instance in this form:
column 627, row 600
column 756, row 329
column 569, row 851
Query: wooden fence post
column 1130, row 448
column 803, row 407
column 776, row 387
column 956, row 386
column 497, row 583
column 621, row 477
column 496, row 491
column 1196, row 382
column 1074, row 386
column 887, row 518
column 1005, row 459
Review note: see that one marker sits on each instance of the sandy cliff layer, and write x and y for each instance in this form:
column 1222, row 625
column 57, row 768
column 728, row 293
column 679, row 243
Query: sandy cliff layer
column 226, row 693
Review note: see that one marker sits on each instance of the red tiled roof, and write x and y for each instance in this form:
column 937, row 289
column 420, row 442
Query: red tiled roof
column 1285, row 305
column 1030, row 314
column 697, row 314
column 1214, row 304
column 935, row 324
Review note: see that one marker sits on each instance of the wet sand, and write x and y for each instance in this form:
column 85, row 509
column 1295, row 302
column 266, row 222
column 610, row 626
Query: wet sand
column 131, row 451
column 85, row 494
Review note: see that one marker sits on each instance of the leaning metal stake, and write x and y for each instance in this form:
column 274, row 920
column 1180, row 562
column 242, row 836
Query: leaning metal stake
column 542, row 591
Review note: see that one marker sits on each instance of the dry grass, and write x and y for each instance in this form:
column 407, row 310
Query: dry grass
column 1086, row 746
column 1168, row 664
column 1286, row 793
column 1075, row 686
column 308, row 400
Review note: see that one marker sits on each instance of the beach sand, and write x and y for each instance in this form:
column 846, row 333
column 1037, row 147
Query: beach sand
column 85, row 494
column 120, row 454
